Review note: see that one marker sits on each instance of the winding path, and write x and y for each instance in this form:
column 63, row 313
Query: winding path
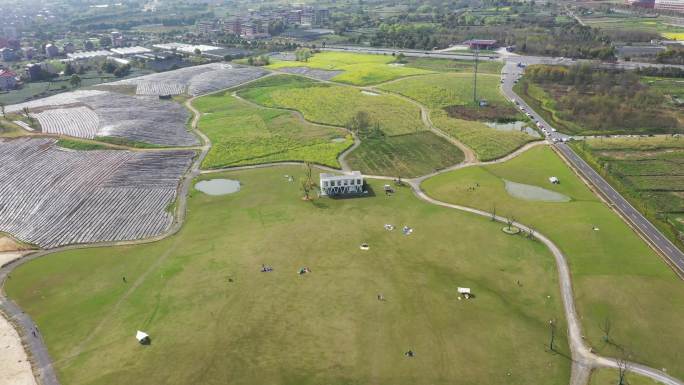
column 583, row 361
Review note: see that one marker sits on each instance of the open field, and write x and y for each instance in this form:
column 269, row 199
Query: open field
column 94, row 114
column 488, row 143
column 334, row 105
column 55, row 196
column 448, row 89
column 649, row 171
column 616, row 276
column 241, row 133
column 633, row 23
column 358, row 69
column 403, row 156
column 197, row 80
column 674, row 35
column 452, row 65
column 610, row 377
column 200, row 296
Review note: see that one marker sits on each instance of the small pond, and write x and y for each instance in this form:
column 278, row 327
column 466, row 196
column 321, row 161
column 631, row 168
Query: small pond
column 533, row 193
column 218, row 186
column 338, row 140
column 514, row 126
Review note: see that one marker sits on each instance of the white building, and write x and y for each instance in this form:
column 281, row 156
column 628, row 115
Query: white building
column 334, row 184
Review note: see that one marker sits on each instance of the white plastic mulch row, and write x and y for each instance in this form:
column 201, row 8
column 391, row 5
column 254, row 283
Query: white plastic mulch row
column 53, row 197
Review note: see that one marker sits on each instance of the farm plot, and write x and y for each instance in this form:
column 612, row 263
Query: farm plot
column 242, row 133
column 407, row 155
column 53, row 196
column 358, row 69
column 311, row 72
column 92, row 114
column 81, row 122
column 197, row 80
column 488, row 143
column 334, row 105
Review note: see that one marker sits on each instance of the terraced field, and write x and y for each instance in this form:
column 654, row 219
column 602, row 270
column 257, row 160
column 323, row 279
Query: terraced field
column 241, row 133
column 334, row 105
column 357, row 69
column 54, row 196
column 90, row 114
column 197, row 80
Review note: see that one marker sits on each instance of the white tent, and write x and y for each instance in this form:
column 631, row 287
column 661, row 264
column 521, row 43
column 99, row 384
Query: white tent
column 554, row 180
column 142, row 337
column 464, row 290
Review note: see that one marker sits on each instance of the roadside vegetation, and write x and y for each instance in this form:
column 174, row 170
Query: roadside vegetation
column 649, row 171
column 359, row 69
column 626, row 295
column 334, row 105
column 242, row 134
column 408, row 155
column 581, row 100
column 200, row 294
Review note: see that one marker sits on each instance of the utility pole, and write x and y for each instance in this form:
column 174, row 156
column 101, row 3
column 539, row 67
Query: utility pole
column 477, row 57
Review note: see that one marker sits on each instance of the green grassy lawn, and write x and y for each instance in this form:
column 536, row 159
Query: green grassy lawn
column 81, row 145
column 487, row 143
column 616, row 276
column 334, row 105
column 359, row 69
column 610, row 377
column 451, row 65
column 215, row 319
column 241, row 134
column 408, row 155
column 448, row 89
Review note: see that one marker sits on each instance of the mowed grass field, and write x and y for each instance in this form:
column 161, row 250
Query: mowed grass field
column 359, row 69
column 407, row 155
column 487, row 143
column 334, row 105
column 611, row 377
column 241, row 134
column 214, row 318
column 616, row 276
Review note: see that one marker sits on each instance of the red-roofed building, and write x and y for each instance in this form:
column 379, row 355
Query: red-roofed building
column 8, row 80
column 481, row 44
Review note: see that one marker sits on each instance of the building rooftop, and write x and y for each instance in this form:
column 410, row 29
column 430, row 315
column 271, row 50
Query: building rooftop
column 353, row 174
column 131, row 50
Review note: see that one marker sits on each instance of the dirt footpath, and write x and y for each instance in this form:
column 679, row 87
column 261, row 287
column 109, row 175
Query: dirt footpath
column 14, row 366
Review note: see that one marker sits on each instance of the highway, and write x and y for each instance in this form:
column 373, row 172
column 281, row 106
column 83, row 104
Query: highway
column 510, row 73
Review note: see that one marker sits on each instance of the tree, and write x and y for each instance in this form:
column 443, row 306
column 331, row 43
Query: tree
column 493, row 218
column 2, row 109
column 303, row 54
column 605, row 327
column 552, row 329
column 228, row 58
column 105, row 41
column 75, row 81
column 359, row 123
column 68, row 69
column 307, row 182
column 122, row 71
column 198, row 51
column 623, row 368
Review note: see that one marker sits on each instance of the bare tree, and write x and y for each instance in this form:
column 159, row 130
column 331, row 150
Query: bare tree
column 623, row 368
column 509, row 222
column 530, row 233
column 494, row 213
column 605, row 327
column 307, row 182
column 2, row 109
